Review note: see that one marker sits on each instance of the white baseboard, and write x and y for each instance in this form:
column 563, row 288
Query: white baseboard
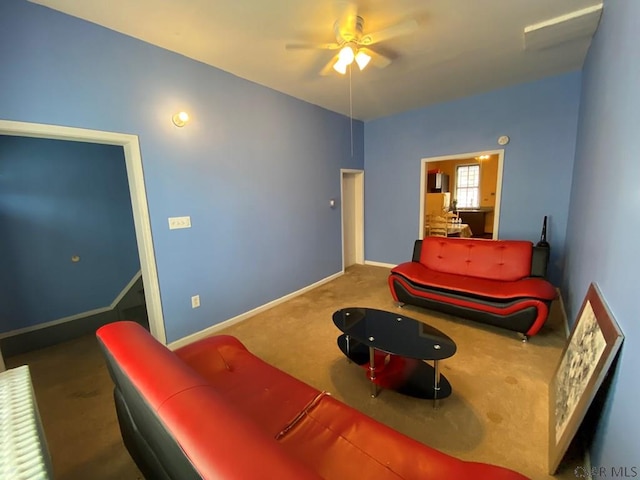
column 124, row 291
column 53, row 323
column 239, row 318
column 77, row 316
column 380, row 264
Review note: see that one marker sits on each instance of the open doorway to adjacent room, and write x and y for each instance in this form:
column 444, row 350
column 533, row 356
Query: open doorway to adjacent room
column 352, row 215
column 468, row 186
column 135, row 179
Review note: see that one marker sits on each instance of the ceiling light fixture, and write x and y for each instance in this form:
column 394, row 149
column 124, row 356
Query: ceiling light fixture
column 346, row 57
column 362, row 59
column 346, row 54
column 340, row 67
column 180, row 119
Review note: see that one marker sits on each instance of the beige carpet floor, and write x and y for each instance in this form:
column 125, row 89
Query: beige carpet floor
column 498, row 412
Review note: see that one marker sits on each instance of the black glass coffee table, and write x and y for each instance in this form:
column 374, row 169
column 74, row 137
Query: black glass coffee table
column 393, row 348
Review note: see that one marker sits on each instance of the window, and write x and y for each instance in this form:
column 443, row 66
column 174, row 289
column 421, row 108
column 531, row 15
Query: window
column 468, row 186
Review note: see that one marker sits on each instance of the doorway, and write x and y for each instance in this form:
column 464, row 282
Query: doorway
column 135, row 177
column 483, row 210
column 352, row 216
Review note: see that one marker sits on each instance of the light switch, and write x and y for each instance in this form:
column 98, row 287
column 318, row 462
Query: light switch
column 195, row 301
column 179, row 222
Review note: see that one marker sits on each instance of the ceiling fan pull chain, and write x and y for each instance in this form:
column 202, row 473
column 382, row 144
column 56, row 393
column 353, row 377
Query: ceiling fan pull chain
column 350, row 111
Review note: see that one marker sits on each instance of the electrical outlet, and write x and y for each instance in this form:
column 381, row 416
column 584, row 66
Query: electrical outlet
column 195, row 301
column 179, row 222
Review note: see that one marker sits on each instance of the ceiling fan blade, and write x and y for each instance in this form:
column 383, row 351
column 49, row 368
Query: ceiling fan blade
column 377, row 59
column 312, row 46
column 348, row 13
column 346, row 25
column 328, row 68
column 402, row 28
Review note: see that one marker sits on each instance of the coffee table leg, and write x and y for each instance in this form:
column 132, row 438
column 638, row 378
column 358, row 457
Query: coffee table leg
column 436, row 383
column 372, row 372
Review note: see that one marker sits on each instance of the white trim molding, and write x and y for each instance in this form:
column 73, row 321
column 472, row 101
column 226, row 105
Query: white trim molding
column 53, row 323
column 380, row 264
column 239, row 318
column 461, row 156
column 77, row 316
column 124, row 291
column 135, row 176
column 359, row 213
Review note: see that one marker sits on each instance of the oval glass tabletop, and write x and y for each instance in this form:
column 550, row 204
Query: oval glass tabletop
column 394, row 333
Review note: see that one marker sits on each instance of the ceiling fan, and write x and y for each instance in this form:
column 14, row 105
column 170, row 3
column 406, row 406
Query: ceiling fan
column 353, row 43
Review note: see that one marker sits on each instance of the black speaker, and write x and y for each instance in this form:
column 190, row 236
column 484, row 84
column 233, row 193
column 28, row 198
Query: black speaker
column 543, row 236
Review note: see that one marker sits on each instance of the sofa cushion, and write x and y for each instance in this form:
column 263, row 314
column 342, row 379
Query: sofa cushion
column 250, row 384
column 339, row 442
column 210, row 431
column 528, row 287
column 506, row 260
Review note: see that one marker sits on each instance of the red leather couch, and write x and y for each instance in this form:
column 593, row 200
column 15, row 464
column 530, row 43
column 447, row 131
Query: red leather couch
column 213, row 410
column 497, row 282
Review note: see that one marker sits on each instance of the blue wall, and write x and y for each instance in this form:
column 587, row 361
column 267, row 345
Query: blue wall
column 604, row 223
column 540, row 118
column 59, row 199
column 255, row 168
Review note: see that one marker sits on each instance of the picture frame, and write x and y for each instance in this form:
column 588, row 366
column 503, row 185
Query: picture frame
column 592, row 345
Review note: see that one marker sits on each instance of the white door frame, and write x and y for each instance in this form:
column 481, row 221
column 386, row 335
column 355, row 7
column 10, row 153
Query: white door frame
column 462, row 156
column 359, row 212
column 135, row 176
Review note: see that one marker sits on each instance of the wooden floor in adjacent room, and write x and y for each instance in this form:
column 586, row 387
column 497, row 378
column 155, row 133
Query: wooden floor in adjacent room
column 498, row 412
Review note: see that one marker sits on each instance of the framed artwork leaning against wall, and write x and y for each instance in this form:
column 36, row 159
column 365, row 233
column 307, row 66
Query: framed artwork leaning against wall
column 593, row 343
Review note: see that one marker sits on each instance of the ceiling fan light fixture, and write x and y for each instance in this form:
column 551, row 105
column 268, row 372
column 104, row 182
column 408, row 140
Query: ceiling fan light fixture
column 346, row 55
column 362, row 59
column 340, row 67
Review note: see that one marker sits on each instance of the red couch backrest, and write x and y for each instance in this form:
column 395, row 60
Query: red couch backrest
column 506, row 260
column 189, row 416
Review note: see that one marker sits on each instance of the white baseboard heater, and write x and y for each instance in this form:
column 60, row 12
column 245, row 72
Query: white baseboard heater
column 23, row 447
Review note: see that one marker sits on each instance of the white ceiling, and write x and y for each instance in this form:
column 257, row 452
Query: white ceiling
column 461, row 47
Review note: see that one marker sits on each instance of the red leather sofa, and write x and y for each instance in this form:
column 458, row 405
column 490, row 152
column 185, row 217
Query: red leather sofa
column 497, row 282
column 213, row 410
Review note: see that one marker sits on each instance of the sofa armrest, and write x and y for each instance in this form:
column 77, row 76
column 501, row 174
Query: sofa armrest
column 539, row 261
column 417, row 248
